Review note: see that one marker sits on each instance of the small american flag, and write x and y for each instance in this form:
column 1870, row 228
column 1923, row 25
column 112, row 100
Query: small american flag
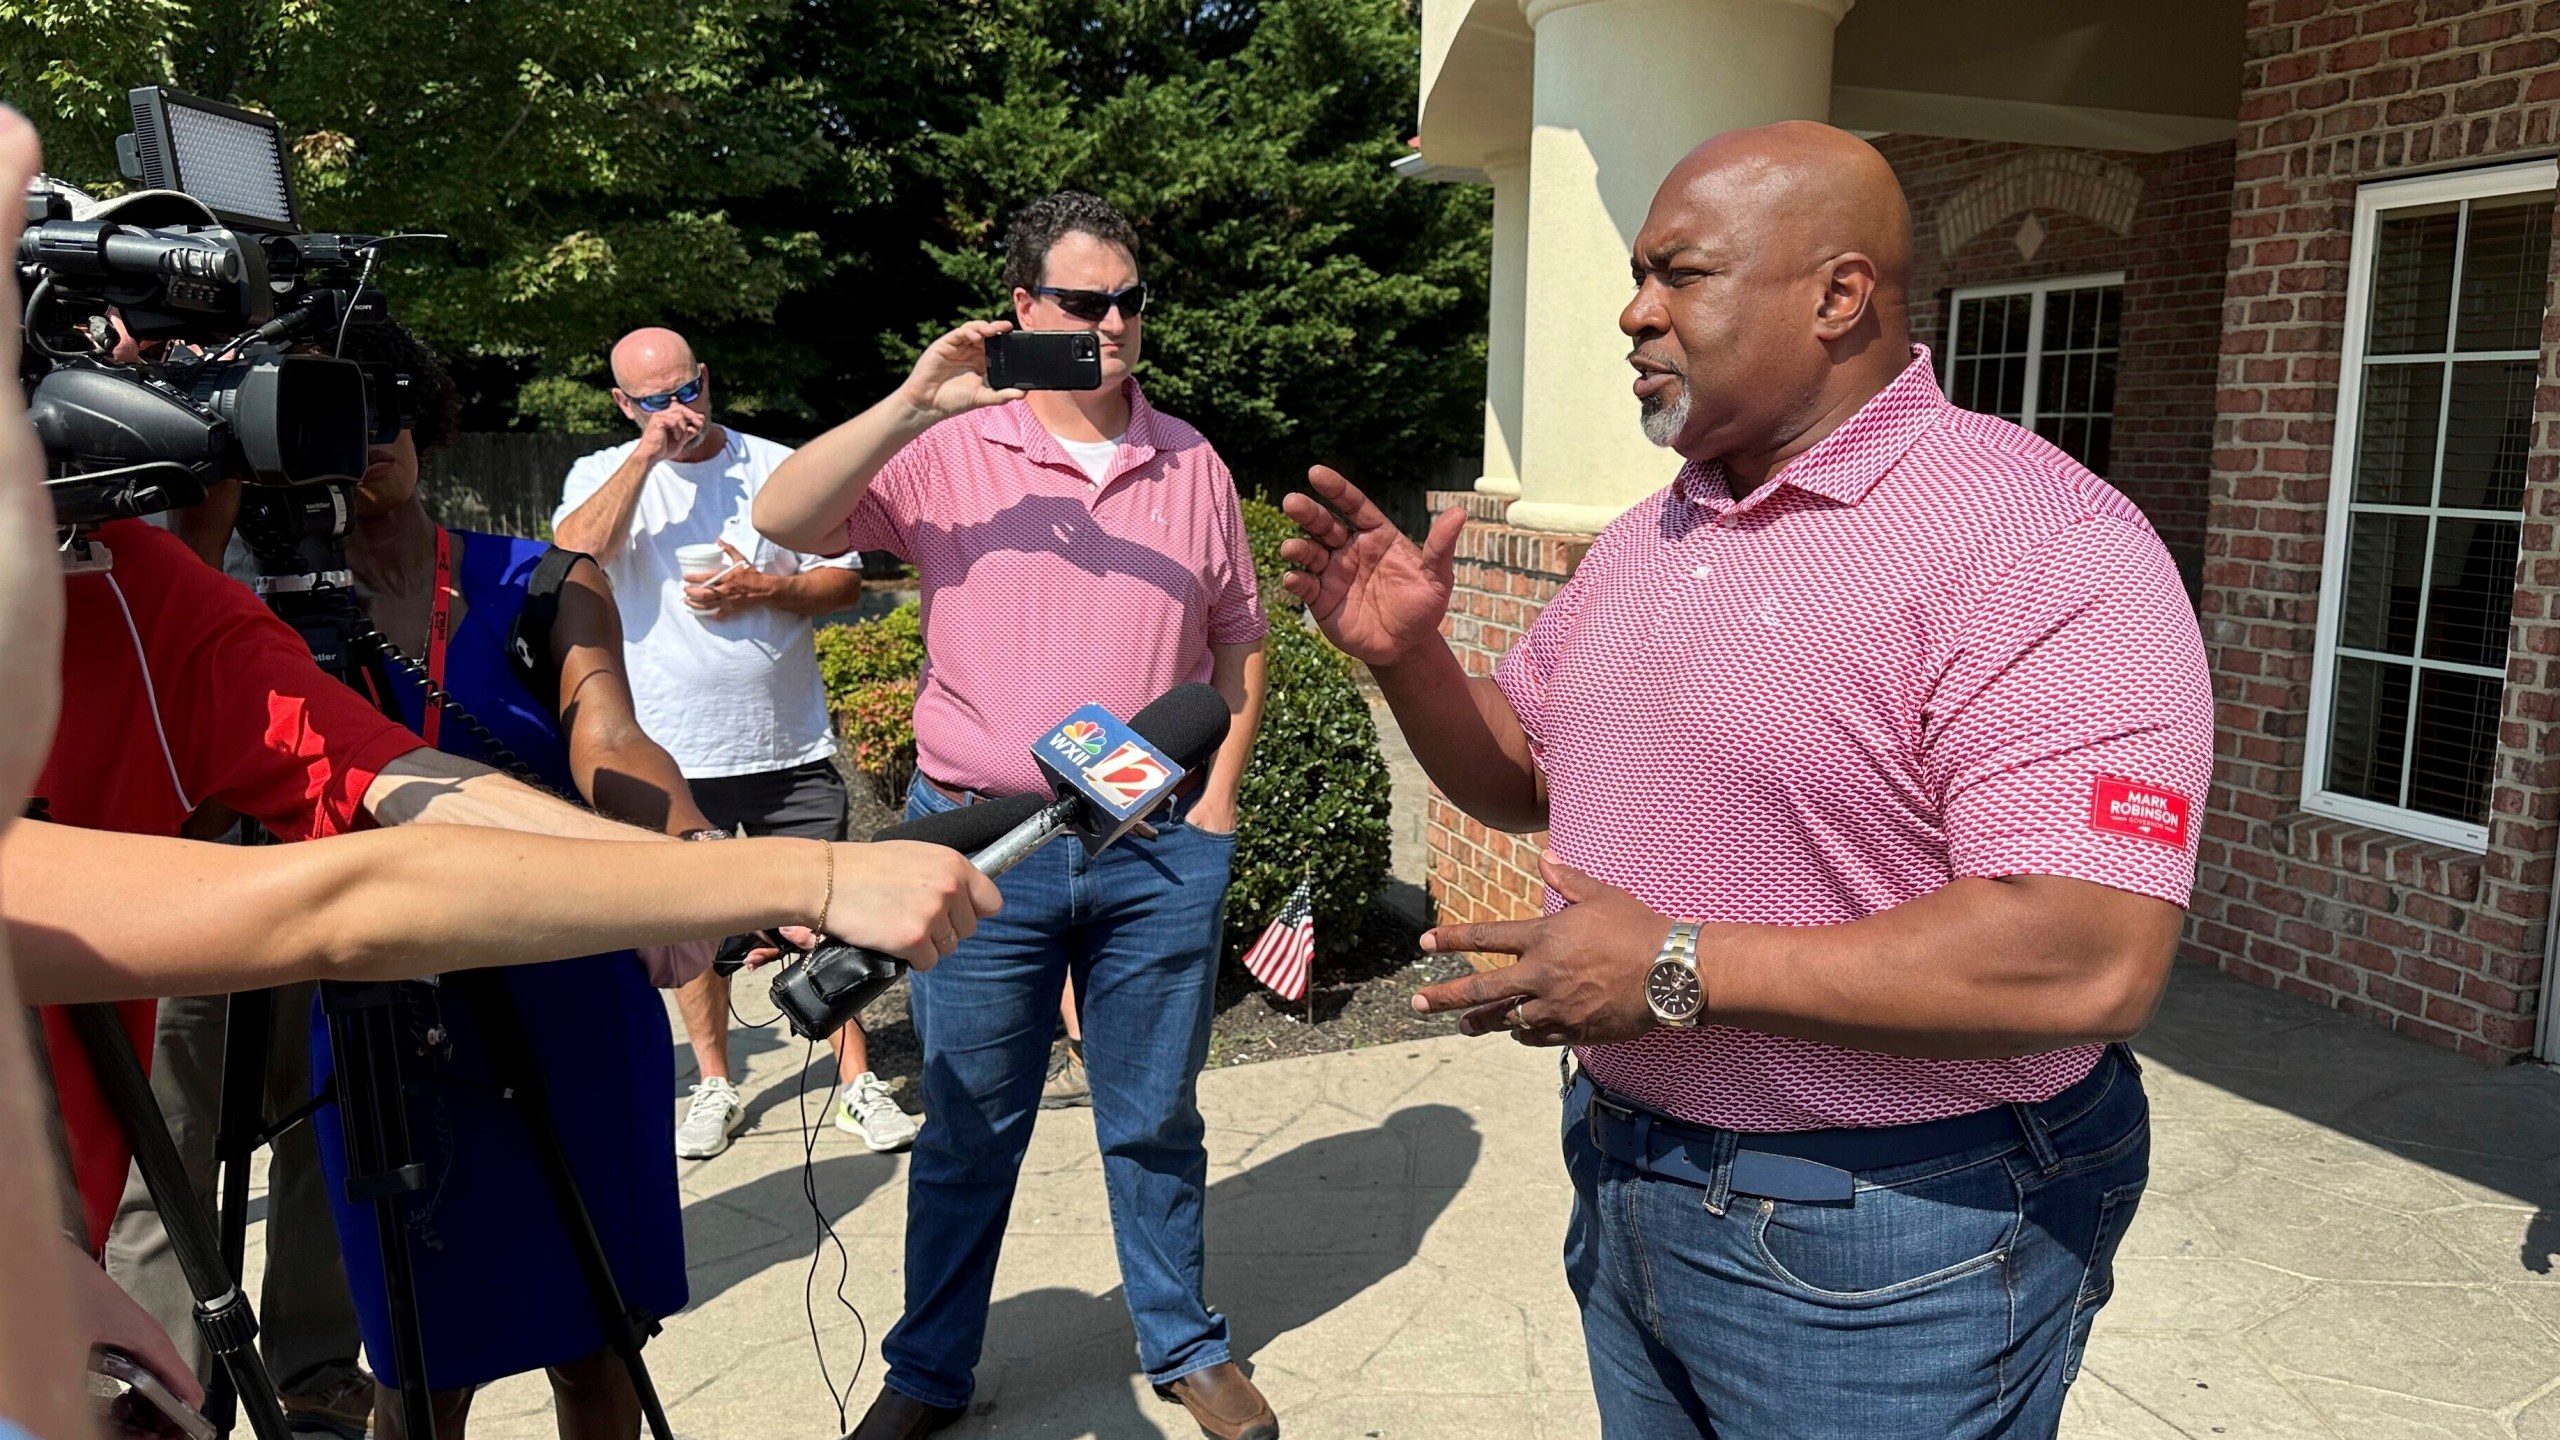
column 1279, row 959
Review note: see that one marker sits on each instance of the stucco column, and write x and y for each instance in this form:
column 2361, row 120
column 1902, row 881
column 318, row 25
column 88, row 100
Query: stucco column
column 1623, row 89
column 1509, row 172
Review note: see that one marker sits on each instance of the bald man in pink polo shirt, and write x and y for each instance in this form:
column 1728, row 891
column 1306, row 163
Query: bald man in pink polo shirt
column 1075, row 548
column 1872, row 755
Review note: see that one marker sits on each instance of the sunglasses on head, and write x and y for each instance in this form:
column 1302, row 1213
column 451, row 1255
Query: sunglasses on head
column 684, row 394
column 1092, row 305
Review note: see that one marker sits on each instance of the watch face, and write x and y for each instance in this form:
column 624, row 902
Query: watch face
column 1672, row 990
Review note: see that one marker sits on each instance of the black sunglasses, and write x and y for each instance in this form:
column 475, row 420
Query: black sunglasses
column 1092, row 305
column 684, row 394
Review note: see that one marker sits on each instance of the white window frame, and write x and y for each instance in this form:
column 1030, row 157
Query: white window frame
column 2372, row 200
column 2039, row 289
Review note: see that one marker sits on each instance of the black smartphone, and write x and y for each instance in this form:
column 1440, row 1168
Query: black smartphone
column 1044, row 360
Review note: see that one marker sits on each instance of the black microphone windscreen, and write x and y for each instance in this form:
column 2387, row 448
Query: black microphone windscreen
column 1188, row 723
column 971, row 827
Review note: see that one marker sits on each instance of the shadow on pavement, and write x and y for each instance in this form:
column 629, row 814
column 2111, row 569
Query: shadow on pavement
column 738, row 1234
column 1290, row 1240
column 2499, row 1129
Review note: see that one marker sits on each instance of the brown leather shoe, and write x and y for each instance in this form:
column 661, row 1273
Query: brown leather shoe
column 1224, row 1403
column 897, row 1415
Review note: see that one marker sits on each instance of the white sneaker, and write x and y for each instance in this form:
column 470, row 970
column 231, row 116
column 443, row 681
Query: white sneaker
column 716, row 1114
column 864, row 1108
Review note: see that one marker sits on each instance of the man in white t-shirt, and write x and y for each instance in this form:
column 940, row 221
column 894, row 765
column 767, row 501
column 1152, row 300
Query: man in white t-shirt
column 724, row 671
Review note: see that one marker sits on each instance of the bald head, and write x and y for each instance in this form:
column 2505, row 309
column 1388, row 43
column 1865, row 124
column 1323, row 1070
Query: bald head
column 1771, row 282
column 1804, row 192
column 651, row 360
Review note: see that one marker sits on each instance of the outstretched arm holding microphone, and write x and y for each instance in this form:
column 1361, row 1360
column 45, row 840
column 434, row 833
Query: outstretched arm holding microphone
column 381, row 905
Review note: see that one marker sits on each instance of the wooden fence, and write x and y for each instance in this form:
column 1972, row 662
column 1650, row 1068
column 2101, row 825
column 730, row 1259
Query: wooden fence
column 504, row 484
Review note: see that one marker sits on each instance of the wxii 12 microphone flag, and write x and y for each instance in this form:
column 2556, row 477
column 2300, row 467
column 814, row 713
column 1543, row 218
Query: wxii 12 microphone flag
column 1280, row 959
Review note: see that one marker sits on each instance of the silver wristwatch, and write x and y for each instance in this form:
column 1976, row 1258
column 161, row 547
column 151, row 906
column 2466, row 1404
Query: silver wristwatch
column 1672, row 988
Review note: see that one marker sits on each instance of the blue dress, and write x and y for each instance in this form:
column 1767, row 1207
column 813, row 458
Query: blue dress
column 499, row 1290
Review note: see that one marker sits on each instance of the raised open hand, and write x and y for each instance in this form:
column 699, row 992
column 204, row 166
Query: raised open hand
column 1377, row 595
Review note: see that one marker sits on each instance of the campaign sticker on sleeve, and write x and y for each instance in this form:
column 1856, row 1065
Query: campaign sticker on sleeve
column 2146, row 812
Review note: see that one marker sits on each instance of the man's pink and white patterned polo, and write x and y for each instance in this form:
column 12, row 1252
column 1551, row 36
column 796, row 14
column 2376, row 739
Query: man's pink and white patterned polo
column 1935, row 647
column 1044, row 591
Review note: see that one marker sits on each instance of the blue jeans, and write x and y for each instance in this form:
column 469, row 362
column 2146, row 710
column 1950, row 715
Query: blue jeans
column 1141, row 926
column 1949, row 1298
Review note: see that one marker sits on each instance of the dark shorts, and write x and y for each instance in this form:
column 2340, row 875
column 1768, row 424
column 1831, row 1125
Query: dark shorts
column 805, row 800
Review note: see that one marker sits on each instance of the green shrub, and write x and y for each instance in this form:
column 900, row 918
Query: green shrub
column 870, row 669
column 1315, row 797
column 1265, row 526
column 869, row 651
column 877, row 724
column 1317, row 794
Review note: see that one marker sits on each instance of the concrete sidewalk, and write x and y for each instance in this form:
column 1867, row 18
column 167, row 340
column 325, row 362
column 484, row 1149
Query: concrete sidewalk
column 2346, row 1235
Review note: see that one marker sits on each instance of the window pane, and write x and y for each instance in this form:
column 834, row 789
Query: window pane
column 2101, row 436
column 2386, row 562
column 2457, row 742
column 2471, row 591
column 2013, row 334
column 2012, row 400
column 2488, row 434
column 2102, row 383
column 2110, row 311
column 2506, row 263
column 2413, row 279
column 2369, row 730
column 2396, row 434
column 2053, row 389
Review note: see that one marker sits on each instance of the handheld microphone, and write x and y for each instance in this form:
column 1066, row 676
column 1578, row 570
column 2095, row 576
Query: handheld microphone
column 1140, row 764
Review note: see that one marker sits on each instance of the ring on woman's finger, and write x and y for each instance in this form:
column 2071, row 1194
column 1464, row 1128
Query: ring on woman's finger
column 1511, row 1019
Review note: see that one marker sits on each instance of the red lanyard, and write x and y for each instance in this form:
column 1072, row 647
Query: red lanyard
column 439, row 621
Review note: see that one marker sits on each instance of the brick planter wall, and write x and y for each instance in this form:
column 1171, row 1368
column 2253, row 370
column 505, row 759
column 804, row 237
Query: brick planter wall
column 2172, row 257
column 2433, row 942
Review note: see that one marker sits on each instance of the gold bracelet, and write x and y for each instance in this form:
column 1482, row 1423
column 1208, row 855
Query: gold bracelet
column 829, row 903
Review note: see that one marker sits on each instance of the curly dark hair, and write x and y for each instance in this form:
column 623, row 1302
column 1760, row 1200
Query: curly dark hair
column 1043, row 223
column 435, row 405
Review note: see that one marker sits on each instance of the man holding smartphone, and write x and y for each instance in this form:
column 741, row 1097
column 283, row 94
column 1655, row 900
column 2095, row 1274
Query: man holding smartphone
column 718, row 638
column 1075, row 546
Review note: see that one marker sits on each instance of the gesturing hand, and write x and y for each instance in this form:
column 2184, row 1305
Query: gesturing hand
column 908, row 899
column 1377, row 596
column 740, row 587
column 1581, row 972
column 950, row 378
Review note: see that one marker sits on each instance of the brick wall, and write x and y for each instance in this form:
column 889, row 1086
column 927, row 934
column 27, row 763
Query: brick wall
column 2173, row 257
column 1504, row 578
column 2433, row 942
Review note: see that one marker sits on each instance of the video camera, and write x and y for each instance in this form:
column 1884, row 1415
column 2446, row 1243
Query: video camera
column 187, row 332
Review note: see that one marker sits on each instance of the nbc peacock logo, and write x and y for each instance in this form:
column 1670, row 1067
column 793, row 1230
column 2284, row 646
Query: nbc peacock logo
column 1085, row 736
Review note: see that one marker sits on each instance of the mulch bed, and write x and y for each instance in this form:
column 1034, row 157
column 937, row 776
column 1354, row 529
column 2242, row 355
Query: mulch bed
column 1362, row 995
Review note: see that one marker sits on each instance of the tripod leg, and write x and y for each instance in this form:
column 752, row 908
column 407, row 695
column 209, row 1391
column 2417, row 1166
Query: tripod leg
column 230, row 1326
column 373, row 1116
column 511, row 1058
column 246, row 1032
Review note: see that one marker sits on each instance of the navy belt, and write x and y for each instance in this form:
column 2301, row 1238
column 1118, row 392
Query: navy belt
column 1817, row 1165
